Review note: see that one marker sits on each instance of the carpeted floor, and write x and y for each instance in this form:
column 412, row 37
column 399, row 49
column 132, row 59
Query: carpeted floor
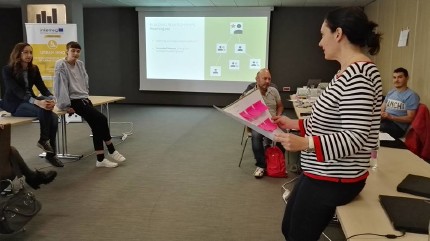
column 180, row 182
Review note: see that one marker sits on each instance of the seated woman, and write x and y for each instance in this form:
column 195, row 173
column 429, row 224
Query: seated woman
column 20, row 75
column 9, row 155
column 72, row 92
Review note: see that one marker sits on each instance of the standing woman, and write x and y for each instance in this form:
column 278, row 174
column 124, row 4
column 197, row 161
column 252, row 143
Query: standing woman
column 72, row 91
column 336, row 140
column 20, row 75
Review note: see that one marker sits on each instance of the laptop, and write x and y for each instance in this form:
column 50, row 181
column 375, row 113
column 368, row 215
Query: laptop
column 416, row 185
column 407, row 214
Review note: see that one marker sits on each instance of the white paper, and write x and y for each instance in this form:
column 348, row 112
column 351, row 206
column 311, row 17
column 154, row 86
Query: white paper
column 385, row 137
column 4, row 113
column 403, row 38
column 242, row 104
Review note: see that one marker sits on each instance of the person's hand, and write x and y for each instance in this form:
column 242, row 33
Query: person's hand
column 45, row 104
column 385, row 115
column 292, row 142
column 70, row 111
column 282, row 121
column 1, row 126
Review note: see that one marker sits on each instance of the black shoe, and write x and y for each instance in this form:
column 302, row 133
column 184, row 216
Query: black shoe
column 54, row 161
column 45, row 146
column 40, row 177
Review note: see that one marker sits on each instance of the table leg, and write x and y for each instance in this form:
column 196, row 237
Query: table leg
column 62, row 148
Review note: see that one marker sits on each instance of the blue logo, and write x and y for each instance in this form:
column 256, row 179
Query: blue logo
column 51, row 31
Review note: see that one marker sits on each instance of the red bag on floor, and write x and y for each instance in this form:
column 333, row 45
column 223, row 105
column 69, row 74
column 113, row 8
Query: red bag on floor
column 275, row 162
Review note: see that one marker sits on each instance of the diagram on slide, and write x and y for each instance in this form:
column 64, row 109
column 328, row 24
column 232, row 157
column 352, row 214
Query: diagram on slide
column 205, row 48
column 239, row 48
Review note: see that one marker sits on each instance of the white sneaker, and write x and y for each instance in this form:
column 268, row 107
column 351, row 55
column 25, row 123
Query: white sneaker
column 106, row 163
column 116, row 156
column 259, row 172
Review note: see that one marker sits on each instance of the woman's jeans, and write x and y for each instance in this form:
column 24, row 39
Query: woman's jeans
column 48, row 121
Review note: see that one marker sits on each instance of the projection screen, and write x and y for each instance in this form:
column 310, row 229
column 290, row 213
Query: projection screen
column 211, row 50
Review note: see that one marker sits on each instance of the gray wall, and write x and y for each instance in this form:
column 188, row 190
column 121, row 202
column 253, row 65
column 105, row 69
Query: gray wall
column 112, row 55
column 10, row 34
column 295, row 55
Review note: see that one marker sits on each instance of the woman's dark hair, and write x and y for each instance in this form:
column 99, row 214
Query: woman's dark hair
column 15, row 60
column 73, row 44
column 356, row 26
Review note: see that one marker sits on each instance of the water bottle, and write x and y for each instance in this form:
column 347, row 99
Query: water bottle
column 374, row 157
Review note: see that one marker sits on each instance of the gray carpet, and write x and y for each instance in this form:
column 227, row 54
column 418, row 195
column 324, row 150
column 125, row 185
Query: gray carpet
column 180, row 182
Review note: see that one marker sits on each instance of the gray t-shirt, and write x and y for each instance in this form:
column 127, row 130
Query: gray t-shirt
column 271, row 99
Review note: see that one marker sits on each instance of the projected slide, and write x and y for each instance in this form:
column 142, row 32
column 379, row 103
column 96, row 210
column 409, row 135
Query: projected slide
column 205, row 48
column 174, row 47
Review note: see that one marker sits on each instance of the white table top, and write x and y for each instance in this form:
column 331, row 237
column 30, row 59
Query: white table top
column 365, row 214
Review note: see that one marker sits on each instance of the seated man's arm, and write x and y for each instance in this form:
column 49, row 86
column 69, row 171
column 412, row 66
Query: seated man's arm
column 408, row 118
column 279, row 108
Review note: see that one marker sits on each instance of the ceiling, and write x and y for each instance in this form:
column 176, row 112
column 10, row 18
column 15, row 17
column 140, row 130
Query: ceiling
column 208, row 3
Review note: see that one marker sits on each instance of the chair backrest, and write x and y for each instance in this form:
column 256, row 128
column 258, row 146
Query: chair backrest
column 252, row 86
column 417, row 138
column 313, row 83
column 322, row 85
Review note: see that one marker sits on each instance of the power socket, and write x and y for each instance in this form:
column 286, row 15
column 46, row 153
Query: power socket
column 286, row 88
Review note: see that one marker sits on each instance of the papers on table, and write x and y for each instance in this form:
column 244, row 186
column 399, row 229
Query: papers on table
column 385, row 137
column 4, row 113
column 251, row 111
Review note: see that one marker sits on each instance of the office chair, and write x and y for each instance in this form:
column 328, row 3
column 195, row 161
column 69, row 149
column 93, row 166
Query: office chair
column 313, row 83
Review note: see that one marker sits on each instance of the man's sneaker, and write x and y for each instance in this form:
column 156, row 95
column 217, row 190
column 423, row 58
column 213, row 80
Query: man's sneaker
column 106, row 163
column 54, row 160
column 116, row 156
column 259, row 172
column 45, row 146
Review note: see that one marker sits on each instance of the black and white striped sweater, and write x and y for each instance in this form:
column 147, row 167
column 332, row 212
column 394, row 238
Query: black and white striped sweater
column 344, row 124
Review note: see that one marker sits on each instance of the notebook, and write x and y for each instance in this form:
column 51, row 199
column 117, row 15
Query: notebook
column 414, row 184
column 407, row 214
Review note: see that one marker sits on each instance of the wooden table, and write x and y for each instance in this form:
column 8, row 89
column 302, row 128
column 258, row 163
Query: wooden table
column 365, row 214
column 16, row 120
